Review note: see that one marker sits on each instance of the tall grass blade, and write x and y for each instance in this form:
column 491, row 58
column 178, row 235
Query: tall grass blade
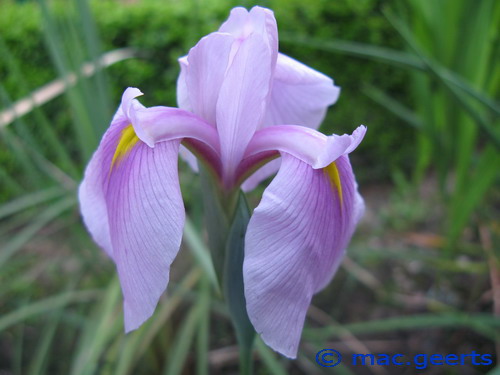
column 203, row 336
column 392, row 105
column 35, row 225
column 29, row 200
column 200, row 252
column 138, row 342
column 46, row 305
column 269, row 358
column 182, row 344
column 98, row 332
column 483, row 324
column 390, row 56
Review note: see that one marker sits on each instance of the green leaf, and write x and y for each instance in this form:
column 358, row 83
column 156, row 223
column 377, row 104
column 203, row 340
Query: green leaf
column 269, row 357
column 393, row 106
column 216, row 220
column 449, row 81
column 137, row 342
column 40, row 221
column 483, row 324
column 203, row 337
column 495, row 371
column 200, row 252
column 44, row 306
column 98, row 332
column 233, row 283
column 393, row 57
column 464, row 202
column 182, row 344
column 29, row 200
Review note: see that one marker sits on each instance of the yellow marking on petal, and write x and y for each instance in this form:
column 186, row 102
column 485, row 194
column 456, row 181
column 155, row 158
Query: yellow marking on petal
column 128, row 139
column 333, row 174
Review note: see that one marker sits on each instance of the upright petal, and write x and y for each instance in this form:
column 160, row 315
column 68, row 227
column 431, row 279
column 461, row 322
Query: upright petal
column 131, row 204
column 300, row 95
column 294, row 244
column 242, row 100
column 182, row 90
column 205, row 71
column 241, row 23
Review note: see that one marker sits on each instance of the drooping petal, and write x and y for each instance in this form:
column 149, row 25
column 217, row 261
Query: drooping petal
column 91, row 192
column 294, row 244
column 300, row 95
column 133, row 208
column 242, row 100
column 159, row 124
column 131, row 203
column 146, row 223
column 305, row 144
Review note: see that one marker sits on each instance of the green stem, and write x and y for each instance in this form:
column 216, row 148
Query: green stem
column 227, row 216
column 233, row 284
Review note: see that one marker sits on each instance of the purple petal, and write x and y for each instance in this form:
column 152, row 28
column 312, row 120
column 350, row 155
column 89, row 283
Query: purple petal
column 308, row 145
column 242, row 23
column 131, row 204
column 261, row 174
column 146, row 217
column 236, row 21
column 182, row 90
column 242, row 99
column 189, row 158
column 294, row 244
column 183, row 103
column 300, row 95
column 207, row 65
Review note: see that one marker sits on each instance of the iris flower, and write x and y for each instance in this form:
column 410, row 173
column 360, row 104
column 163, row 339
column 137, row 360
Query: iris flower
column 245, row 111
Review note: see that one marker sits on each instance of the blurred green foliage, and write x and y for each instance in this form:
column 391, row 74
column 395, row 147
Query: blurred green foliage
column 164, row 31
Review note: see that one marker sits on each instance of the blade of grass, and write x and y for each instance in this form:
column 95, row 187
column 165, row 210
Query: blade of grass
column 437, row 72
column 26, row 166
column 9, row 183
column 44, row 129
column 393, row 106
column 483, row 324
column 200, row 252
column 202, row 339
column 98, row 332
column 29, row 200
column 46, row 305
column 269, row 358
column 59, row 86
column 40, row 359
column 390, row 56
column 36, row 224
column 17, row 358
column 42, row 354
column 469, row 198
column 183, row 341
column 138, row 342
